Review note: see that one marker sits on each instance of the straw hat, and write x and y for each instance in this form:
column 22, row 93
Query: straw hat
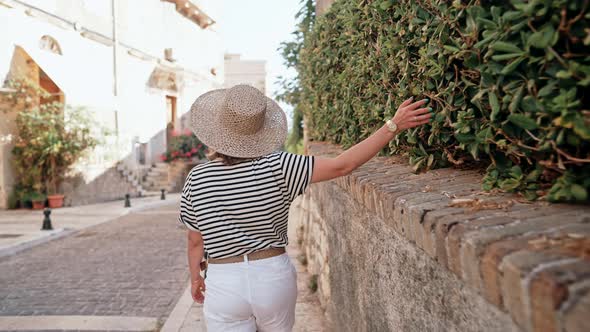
column 239, row 122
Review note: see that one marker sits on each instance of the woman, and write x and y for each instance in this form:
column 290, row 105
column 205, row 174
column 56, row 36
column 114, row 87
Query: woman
column 236, row 205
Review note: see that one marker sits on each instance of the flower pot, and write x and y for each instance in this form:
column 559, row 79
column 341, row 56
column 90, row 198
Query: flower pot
column 55, row 201
column 38, row 205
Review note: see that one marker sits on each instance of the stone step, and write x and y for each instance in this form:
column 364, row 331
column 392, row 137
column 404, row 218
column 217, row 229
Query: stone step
column 156, row 190
column 157, row 184
column 151, row 177
column 159, row 169
column 156, row 180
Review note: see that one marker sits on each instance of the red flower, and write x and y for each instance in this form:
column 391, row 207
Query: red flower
column 193, row 150
column 187, row 132
column 199, row 146
column 188, row 154
column 174, row 133
column 174, row 153
column 163, row 157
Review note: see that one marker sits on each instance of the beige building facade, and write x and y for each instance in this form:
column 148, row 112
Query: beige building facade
column 136, row 65
column 238, row 71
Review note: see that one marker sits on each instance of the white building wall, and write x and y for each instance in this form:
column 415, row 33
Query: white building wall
column 85, row 71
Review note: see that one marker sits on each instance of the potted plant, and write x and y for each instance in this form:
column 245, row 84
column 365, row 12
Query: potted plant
column 50, row 138
column 185, row 146
column 38, row 200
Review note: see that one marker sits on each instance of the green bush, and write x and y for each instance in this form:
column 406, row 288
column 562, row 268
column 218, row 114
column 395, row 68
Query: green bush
column 508, row 82
column 51, row 137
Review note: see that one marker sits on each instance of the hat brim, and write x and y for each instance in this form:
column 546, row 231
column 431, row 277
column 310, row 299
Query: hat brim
column 206, row 124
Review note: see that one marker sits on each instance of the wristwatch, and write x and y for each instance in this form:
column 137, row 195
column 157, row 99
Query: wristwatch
column 391, row 126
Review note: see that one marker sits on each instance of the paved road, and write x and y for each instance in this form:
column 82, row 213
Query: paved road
column 131, row 266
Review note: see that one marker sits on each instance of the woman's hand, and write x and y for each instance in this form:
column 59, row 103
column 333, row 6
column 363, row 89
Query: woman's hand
column 408, row 115
column 197, row 289
column 412, row 115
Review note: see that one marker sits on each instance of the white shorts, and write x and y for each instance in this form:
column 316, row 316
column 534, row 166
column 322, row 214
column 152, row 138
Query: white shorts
column 251, row 296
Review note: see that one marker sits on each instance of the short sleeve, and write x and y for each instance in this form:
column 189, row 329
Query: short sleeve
column 187, row 215
column 297, row 171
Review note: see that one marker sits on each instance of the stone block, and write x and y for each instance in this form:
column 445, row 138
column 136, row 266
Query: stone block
column 428, row 226
column 405, row 205
column 418, row 209
column 515, row 267
column 550, row 241
column 476, row 243
column 549, row 289
column 445, row 224
column 574, row 316
column 495, row 219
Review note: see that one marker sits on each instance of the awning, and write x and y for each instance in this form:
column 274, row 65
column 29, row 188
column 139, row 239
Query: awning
column 82, row 84
column 165, row 79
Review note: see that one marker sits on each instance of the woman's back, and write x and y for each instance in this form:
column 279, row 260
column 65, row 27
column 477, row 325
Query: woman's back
column 244, row 207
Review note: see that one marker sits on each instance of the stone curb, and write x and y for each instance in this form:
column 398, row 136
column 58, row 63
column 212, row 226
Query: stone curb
column 174, row 322
column 51, row 235
column 80, row 323
column 63, row 232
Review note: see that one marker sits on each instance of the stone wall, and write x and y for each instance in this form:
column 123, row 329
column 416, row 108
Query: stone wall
column 7, row 130
column 108, row 186
column 395, row 251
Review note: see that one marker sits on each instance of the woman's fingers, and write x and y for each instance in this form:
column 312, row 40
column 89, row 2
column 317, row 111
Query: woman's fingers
column 419, row 123
column 406, row 102
column 197, row 291
column 420, row 118
column 417, row 104
column 422, row 111
column 198, row 296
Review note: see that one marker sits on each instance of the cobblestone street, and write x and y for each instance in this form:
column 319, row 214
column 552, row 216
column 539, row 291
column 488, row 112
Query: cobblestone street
column 132, row 266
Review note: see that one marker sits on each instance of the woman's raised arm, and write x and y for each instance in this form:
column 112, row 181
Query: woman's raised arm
column 408, row 115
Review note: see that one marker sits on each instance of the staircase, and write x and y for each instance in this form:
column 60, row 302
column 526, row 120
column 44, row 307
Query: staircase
column 131, row 177
column 168, row 176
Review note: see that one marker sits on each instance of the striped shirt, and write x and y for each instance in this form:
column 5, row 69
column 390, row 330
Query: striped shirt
column 242, row 208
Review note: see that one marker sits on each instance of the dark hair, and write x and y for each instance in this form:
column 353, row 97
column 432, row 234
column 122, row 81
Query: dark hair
column 225, row 159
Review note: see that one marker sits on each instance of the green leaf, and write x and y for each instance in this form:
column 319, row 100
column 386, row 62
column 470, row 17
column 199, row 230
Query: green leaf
column 579, row 192
column 516, row 100
column 505, row 47
column 507, row 56
column 487, row 23
column 512, row 66
column 516, row 172
column 451, row 48
column 522, row 121
column 511, row 15
column 385, row 5
column 430, row 161
column 546, row 90
column 509, row 184
column 563, row 74
column 542, row 38
column 494, row 104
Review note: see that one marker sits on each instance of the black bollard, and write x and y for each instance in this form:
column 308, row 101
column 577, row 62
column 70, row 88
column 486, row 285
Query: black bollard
column 127, row 201
column 163, row 196
column 47, row 220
